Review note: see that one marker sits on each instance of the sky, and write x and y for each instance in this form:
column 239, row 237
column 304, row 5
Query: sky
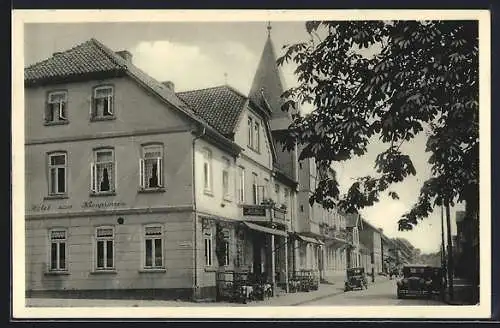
column 203, row 54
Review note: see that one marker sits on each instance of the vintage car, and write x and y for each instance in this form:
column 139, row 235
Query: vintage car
column 420, row 281
column 355, row 278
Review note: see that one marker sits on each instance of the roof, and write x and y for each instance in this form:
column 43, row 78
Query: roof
column 268, row 83
column 220, row 106
column 93, row 57
column 85, row 58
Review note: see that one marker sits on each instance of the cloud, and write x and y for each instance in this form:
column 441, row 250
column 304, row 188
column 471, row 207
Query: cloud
column 196, row 66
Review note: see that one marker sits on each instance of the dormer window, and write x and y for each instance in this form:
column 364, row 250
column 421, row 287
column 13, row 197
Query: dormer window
column 103, row 103
column 56, row 107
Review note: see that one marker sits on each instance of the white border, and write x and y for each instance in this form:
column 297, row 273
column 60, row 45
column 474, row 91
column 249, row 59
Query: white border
column 62, row 16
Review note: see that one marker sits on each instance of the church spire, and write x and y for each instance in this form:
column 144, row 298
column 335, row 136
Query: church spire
column 267, row 85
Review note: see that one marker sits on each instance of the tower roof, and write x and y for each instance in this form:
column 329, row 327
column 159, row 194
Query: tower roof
column 268, row 84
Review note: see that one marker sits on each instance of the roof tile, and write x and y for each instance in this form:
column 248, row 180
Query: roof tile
column 220, row 106
column 84, row 58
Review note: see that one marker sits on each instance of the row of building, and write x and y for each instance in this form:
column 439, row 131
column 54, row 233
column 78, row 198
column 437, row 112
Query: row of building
column 132, row 187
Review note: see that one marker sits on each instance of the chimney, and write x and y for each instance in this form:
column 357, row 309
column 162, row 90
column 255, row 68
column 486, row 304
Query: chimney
column 170, row 85
column 125, row 54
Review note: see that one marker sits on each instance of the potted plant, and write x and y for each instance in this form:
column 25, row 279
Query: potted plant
column 269, row 202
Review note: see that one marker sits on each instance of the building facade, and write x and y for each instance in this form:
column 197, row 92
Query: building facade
column 109, row 188
column 132, row 187
column 370, row 237
column 223, row 205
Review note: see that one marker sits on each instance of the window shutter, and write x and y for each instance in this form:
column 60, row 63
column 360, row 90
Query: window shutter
column 91, row 106
column 110, row 104
column 141, row 173
column 62, row 107
column 93, row 178
column 159, row 172
column 47, row 112
column 116, row 176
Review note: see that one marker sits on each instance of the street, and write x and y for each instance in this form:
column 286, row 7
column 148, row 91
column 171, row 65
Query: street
column 383, row 292
column 380, row 293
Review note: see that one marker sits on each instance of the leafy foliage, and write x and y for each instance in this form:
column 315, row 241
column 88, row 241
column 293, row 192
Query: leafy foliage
column 423, row 75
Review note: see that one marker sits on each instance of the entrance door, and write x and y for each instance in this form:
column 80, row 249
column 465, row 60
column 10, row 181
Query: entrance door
column 257, row 258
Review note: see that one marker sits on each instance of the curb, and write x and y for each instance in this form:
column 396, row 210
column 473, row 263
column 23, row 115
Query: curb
column 317, row 298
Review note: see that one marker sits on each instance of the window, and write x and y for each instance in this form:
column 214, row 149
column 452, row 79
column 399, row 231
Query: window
column 250, row 132
column 302, row 208
column 103, row 171
column 241, row 184
column 265, row 190
column 226, row 178
column 151, row 167
column 300, row 165
column 286, row 199
column 56, row 107
column 207, row 237
column 255, row 189
column 227, row 247
column 57, row 174
column 277, row 193
column 102, row 105
column 58, row 250
column 153, row 251
column 105, row 248
column 253, row 134
column 207, row 170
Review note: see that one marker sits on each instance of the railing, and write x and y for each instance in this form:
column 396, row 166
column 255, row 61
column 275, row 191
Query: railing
column 242, row 287
column 264, row 213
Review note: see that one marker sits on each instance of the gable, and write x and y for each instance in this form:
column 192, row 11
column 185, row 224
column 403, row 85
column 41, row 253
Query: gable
column 266, row 153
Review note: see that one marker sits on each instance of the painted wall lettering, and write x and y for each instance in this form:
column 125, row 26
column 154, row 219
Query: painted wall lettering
column 105, row 204
column 40, row 207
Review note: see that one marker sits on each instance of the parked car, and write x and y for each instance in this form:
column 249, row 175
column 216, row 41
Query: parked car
column 355, row 278
column 420, row 281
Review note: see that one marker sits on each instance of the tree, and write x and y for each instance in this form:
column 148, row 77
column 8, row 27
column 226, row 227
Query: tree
column 421, row 78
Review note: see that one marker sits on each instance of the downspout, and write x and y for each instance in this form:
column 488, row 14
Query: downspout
column 195, row 248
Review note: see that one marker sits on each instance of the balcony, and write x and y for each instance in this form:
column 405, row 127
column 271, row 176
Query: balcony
column 334, row 233
column 264, row 213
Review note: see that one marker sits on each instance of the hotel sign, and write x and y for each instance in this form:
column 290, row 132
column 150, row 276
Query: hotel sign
column 254, row 211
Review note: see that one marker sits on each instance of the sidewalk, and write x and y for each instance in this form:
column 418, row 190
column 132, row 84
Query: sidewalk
column 291, row 299
column 464, row 293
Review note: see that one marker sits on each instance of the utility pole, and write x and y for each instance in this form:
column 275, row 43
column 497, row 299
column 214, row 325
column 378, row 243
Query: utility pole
column 450, row 250
column 443, row 252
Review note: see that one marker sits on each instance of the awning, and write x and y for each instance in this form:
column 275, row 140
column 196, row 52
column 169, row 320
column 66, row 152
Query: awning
column 310, row 240
column 260, row 228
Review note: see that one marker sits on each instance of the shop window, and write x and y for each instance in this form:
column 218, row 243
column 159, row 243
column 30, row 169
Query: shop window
column 207, row 238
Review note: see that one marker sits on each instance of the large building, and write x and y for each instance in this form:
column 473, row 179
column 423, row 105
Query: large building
column 134, row 188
